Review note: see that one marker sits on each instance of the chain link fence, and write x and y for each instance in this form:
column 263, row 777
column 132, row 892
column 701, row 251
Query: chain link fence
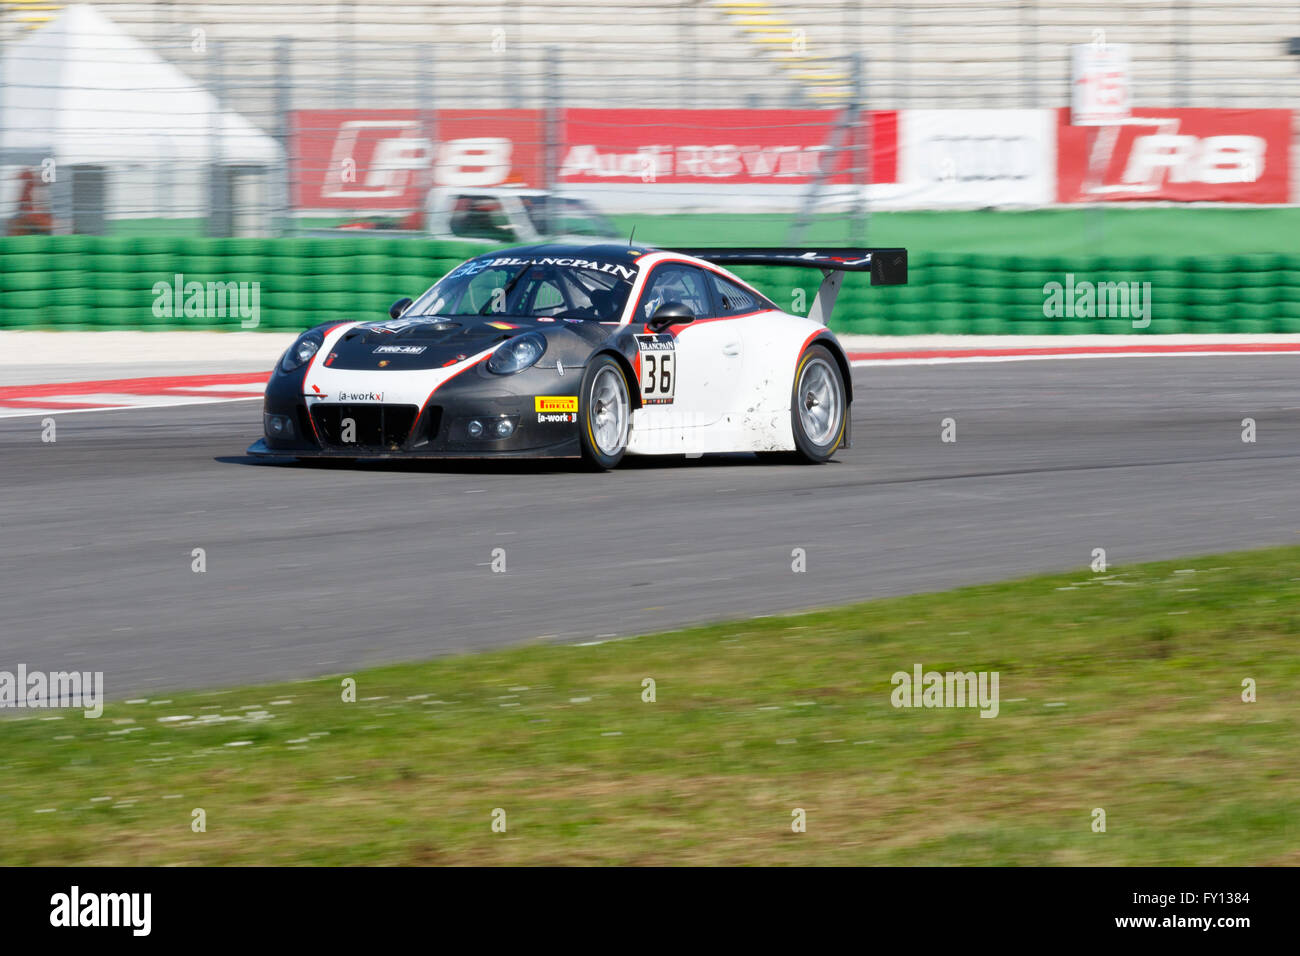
column 233, row 118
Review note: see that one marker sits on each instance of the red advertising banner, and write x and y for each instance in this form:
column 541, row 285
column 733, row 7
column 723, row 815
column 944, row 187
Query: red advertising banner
column 383, row 159
column 778, row 147
column 1184, row 155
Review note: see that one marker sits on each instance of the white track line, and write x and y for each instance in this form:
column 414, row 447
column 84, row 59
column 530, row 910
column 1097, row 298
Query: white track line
column 31, row 413
column 973, row 359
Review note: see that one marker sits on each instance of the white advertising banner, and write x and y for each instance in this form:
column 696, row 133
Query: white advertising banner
column 1099, row 83
column 969, row 158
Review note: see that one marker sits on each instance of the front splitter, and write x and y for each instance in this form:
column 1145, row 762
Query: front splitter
column 566, row 449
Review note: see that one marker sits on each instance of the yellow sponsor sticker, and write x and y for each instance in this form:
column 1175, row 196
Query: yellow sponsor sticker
column 556, row 403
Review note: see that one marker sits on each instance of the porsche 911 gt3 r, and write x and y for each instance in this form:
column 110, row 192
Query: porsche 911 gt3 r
column 592, row 351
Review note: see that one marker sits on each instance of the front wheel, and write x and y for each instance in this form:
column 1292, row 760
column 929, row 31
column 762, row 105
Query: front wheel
column 818, row 409
column 604, row 413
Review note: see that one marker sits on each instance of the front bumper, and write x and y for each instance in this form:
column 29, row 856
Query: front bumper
column 300, row 427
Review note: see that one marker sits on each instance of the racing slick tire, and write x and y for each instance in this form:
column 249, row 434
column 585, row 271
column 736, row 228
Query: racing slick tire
column 818, row 409
column 604, row 413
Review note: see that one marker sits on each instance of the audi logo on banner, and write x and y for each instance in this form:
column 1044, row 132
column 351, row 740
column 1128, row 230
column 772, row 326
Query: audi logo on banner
column 981, row 159
column 978, row 157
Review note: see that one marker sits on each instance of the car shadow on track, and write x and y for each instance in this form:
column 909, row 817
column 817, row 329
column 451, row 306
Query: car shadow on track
column 501, row 466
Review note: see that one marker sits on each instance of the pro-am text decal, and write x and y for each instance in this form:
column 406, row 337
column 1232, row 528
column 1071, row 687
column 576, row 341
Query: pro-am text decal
column 658, row 355
column 399, row 350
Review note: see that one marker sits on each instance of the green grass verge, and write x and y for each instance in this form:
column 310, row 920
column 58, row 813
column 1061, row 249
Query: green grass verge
column 1119, row 690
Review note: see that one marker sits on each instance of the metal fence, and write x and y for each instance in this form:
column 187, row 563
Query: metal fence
column 993, row 53
column 276, row 70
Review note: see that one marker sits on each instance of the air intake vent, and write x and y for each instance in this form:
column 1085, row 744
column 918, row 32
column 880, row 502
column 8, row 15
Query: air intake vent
column 373, row 427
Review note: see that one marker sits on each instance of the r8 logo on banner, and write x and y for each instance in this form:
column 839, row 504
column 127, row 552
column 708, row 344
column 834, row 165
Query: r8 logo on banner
column 385, row 159
column 1186, row 155
column 480, row 161
column 373, row 159
column 1187, row 159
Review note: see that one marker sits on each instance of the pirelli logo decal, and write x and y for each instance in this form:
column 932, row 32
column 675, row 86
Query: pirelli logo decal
column 556, row 403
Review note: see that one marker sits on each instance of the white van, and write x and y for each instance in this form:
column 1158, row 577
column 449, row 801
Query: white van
column 513, row 216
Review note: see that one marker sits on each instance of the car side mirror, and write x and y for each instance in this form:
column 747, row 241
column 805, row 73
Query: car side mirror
column 397, row 308
column 670, row 313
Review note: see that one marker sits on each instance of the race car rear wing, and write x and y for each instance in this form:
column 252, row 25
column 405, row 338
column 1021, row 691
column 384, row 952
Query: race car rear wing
column 887, row 267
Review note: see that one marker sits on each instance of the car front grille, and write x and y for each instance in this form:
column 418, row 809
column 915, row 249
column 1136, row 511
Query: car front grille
column 383, row 427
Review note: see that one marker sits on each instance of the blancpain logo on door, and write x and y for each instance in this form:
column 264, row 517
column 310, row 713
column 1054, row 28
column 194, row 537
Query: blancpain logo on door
column 400, row 349
column 133, row 910
column 361, row 396
column 655, row 343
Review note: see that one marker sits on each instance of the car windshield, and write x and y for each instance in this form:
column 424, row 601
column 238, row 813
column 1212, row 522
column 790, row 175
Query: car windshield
column 561, row 287
column 559, row 216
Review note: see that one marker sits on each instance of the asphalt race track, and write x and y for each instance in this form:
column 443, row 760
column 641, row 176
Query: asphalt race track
column 315, row 569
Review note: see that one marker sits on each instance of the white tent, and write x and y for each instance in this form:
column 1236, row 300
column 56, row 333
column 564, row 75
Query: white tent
column 81, row 90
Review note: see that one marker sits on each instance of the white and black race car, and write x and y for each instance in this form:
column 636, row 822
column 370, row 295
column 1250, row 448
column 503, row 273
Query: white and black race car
column 591, row 351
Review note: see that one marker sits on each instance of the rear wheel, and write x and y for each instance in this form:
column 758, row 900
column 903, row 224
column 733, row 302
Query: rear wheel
column 818, row 409
column 604, row 413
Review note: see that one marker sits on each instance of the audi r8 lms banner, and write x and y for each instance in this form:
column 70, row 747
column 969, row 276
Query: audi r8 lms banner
column 1188, row 155
column 977, row 158
column 702, row 160
column 725, row 146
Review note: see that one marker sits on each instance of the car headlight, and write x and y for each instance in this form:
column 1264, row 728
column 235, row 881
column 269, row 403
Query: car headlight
column 517, row 354
column 301, row 351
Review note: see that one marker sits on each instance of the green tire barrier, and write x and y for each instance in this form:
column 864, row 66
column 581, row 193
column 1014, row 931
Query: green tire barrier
column 92, row 282
column 99, row 283
column 982, row 295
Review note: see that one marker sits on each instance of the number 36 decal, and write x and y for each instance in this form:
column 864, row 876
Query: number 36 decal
column 658, row 368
